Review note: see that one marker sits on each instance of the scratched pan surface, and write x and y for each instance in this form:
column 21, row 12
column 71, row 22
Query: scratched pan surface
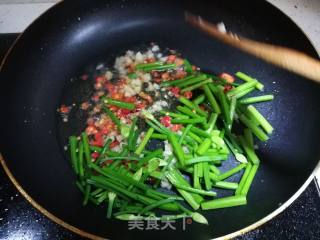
column 61, row 44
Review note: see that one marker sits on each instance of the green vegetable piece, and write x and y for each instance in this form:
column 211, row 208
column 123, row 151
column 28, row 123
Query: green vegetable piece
column 144, row 141
column 192, row 106
column 174, row 115
column 243, row 179
column 156, row 204
column 213, row 102
column 129, row 217
column 177, row 149
column 247, row 78
column 258, row 99
column 215, row 170
column 73, row 142
column 193, row 80
column 186, row 195
column 188, row 112
column 243, row 93
column 204, row 146
column 224, row 202
column 197, row 217
column 255, row 114
column 233, row 103
column 178, row 185
column 196, row 86
column 187, row 66
column 231, row 172
column 225, row 108
column 241, row 88
column 213, row 158
column 112, row 116
column 254, row 128
column 159, row 67
column 86, row 194
column 117, row 103
column 207, row 180
column 80, row 162
column 249, row 180
column 249, row 151
column 111, row 198
column 248, row 137
column 226, row 185
column 200, row 132
column 149, row 156
column 146, row 65
column 132, row 75
column 86, row 148
column 125, row 130
column 199, row 99
column 188, row 121
column 212, row 122
column 159, row 136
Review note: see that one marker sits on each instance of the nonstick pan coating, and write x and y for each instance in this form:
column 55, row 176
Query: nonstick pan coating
column 61, row 44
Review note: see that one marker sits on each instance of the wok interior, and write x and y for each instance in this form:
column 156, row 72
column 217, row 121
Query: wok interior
column 68, row 39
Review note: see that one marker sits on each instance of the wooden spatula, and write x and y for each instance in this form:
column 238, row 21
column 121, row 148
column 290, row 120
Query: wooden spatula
column 286, row 58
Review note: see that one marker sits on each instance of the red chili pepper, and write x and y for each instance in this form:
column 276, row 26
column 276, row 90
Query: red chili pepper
column 95, row 98
column 64, row 109
column 175, row 91
column 98, row 140
column 157, row 80
column 90, row 121
column 140, row 106
column 90, row 130
column 155, row 74
column 165, row 121
column 179, row 61
column 95, row 155
column 130, row 68
column 105, row 129
column 110, row 87
column 132, row 99
column 180, row 74
column 114, row 143
column 85, row 77
column 116, row 95
column 227, row 88
column 146, row 97
column 150, row 60
column 226, row 76
column 165, row 76
column 123, row 112
column 85, row 105
column 176, row 127
column 171, row 58
column 98, row 86
column 100, row 79
column 113, row 108
column 188, row 94
column 122, row 82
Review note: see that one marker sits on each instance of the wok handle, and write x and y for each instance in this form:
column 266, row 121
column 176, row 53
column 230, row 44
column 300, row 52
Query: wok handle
column 289, row 59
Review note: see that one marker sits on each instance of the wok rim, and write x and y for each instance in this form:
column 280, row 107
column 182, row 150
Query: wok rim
column 92, row 236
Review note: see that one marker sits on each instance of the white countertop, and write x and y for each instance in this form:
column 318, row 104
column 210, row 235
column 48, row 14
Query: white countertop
column 16, row 15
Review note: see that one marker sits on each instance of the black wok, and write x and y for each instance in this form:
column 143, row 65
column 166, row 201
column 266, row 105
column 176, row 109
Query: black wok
column 74, row 35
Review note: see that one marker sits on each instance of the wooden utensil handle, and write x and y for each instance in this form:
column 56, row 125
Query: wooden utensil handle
column 292, row 60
